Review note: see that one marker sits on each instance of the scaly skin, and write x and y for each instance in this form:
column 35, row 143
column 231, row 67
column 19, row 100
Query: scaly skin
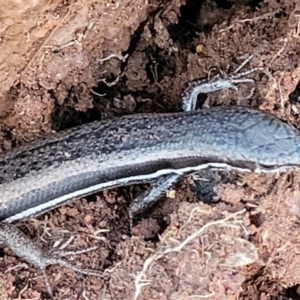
column 136, row 148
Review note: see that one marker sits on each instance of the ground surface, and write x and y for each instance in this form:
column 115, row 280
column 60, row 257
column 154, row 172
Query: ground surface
column 243, row 242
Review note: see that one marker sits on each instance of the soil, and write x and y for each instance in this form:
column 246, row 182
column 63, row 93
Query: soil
column 215, row 236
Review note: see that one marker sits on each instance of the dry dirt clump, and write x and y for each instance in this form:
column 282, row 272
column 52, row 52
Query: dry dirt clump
column 63, row 63
column 200, row 255
column 49, row 48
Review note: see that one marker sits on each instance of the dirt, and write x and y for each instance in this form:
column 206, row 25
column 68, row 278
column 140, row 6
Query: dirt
column 218, row 236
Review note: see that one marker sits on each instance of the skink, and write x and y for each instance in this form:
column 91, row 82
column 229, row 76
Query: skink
column 133, row 149
column 136, row 148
